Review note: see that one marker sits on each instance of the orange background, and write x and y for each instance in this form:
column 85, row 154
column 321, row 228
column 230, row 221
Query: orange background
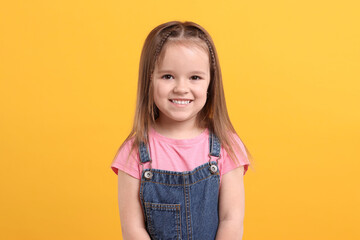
column 68, row 76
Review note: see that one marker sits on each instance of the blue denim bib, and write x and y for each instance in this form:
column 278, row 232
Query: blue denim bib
column 181, row 205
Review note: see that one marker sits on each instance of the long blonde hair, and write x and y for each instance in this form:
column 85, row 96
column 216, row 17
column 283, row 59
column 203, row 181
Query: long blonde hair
column 213, row 115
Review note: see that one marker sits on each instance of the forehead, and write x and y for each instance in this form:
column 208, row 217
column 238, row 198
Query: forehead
column 183, row 55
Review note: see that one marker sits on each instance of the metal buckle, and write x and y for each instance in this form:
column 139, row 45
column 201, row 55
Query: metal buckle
column 148, row 175
column 212, row 167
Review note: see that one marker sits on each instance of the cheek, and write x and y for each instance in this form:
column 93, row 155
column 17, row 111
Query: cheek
column 159, row 93
column 201, row 92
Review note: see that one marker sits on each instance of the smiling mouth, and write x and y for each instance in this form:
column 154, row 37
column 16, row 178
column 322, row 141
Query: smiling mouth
column 181, row 102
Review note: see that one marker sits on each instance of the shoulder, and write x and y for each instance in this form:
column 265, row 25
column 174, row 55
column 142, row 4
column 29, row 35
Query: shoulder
column 127, row 159
column 235, row 154
column 126, row 146
column 235, row 143
column 126, row 155
column 239, row 143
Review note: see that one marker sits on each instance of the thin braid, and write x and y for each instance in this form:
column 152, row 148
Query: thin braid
column 165, row 37
column 161, row 44
column 203, row 37
column 158, row 49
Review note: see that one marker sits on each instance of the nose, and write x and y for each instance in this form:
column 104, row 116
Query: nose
column 181, row 86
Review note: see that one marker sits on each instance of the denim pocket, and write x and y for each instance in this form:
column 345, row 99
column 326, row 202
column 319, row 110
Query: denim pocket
column 163, row 220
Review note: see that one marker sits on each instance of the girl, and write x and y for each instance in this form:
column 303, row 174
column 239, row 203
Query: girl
column 182, row 146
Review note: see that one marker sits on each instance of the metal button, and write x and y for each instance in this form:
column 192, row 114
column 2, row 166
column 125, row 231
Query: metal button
column 213, row 169
column 148, row 175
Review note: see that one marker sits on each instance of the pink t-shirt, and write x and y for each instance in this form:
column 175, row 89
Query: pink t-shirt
column 176, row 155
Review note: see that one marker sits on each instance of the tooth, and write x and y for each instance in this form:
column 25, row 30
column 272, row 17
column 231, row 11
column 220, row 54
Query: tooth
column 181, row 102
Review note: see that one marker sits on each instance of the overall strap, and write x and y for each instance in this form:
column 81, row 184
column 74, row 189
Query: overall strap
column 144, row 158
column 214, row 145
column 144, row 153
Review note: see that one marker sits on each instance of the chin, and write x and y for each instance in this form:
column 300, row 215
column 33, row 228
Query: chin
column 180, row 118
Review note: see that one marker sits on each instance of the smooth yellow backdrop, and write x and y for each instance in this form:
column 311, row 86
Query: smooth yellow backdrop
column 68, row 76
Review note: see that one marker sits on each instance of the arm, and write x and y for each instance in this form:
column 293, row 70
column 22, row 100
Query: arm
column 131, row 213
column 231, row 205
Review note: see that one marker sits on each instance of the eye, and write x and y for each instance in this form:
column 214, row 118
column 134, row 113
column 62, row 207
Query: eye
column 166, row 76
column 195, row 77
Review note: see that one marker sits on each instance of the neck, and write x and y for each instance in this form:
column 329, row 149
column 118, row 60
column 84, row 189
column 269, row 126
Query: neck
column 177, row 130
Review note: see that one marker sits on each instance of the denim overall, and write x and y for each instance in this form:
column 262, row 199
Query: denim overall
column 181, row 205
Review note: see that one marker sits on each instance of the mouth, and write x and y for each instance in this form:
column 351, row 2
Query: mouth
column 181, row 101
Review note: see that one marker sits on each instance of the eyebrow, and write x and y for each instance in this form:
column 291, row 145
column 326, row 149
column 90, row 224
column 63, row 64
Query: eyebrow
column 193, row 72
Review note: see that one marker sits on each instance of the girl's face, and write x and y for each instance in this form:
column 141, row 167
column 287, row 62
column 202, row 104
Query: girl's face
column 180, row 83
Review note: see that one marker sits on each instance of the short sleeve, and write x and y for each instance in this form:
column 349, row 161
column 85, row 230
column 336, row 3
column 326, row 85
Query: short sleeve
column 228, row 164
column 125, row 162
